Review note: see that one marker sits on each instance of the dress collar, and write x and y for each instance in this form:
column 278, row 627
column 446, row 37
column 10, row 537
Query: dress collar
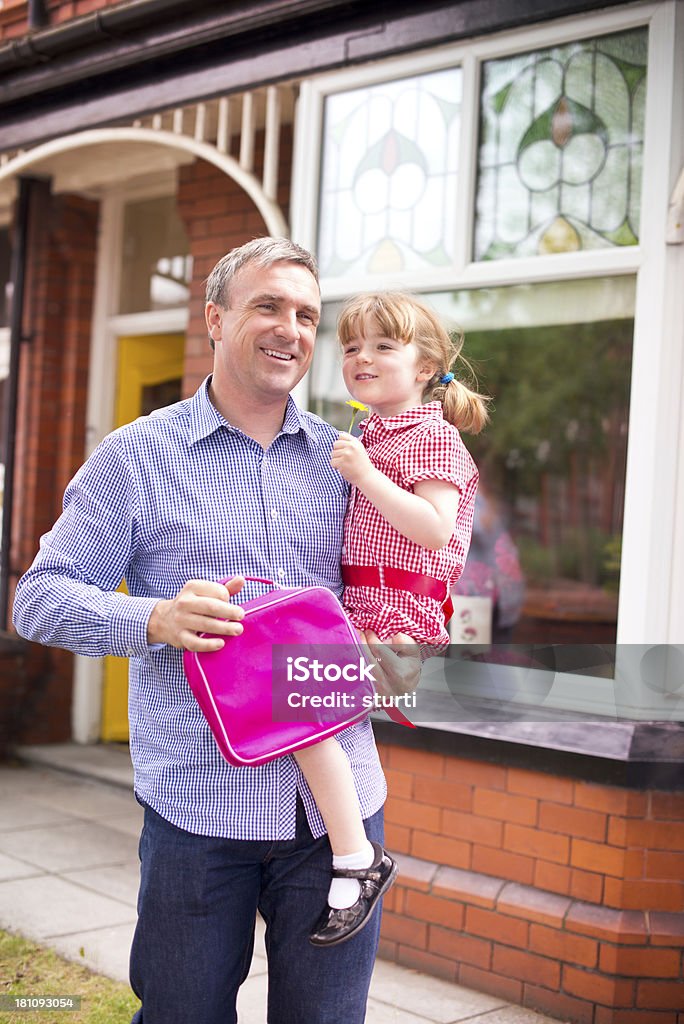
column 408, row 418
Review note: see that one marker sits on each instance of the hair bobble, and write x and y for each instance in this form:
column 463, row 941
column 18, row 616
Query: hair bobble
column 446, row 378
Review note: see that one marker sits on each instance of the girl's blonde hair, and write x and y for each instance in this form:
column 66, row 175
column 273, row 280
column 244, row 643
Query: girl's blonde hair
column 404, row 318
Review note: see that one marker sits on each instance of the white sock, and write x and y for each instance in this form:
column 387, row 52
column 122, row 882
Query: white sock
column 344, row 892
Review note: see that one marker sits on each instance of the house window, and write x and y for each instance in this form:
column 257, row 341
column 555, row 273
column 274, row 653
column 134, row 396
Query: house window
column 389, row 177
column 156, row 265
column 561, row 141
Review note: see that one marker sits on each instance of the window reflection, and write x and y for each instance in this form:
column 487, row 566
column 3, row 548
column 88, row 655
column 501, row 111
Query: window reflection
column 556, row 359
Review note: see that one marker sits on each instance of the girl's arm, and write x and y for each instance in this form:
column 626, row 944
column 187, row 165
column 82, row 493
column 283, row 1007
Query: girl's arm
column 426, row 515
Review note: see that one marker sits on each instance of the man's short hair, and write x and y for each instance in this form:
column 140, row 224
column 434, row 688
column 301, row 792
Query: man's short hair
column 262, row 252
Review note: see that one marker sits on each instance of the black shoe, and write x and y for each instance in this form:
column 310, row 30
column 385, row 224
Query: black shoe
column 335, row 926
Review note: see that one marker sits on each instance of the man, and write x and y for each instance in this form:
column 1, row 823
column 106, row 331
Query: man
column 235, row 481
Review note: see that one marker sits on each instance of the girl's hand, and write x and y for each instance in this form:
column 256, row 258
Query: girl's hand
column 350, row 458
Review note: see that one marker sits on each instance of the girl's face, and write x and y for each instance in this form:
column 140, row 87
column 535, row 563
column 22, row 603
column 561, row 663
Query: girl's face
column 386, row 375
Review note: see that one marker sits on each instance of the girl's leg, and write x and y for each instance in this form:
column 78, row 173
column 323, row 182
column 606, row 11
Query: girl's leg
column 326, row 768
column 361, row 872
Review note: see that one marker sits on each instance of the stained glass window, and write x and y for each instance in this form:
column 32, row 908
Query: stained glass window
column 560, row 150
column 388, row 181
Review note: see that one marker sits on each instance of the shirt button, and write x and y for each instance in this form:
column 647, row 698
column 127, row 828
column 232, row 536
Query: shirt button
column 281, row 574
column 274, row 513
column 130, row 653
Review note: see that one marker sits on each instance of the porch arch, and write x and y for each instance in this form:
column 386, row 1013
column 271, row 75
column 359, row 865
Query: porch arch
column 270, row 211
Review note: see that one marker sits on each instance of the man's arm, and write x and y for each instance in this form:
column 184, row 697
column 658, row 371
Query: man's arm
column 69, row 597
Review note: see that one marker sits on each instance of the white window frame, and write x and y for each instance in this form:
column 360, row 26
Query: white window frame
column 651, row 605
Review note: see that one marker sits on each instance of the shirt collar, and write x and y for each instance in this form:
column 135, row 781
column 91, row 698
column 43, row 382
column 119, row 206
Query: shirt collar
column 409, row 418
column 205, row 417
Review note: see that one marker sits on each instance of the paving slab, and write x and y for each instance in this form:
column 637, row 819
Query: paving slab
column 10, row 867
column 118, row 881
column 401, row 987
column 104, row 950
column 46, row 906
column 69, row 846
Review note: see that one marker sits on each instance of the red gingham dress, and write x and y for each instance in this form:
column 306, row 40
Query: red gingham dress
column 416, row 445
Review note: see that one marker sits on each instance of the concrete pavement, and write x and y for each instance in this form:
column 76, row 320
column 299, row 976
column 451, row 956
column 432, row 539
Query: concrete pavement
column 69, row 828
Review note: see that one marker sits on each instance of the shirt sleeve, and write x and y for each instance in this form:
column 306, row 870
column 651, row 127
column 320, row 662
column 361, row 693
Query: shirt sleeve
column 69, row 597
column 438, row 453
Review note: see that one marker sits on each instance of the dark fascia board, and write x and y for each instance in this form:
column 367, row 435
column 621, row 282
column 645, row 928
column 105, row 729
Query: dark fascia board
column 163, row 67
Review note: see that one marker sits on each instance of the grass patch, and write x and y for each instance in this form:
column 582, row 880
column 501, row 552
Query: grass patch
column 31, row 970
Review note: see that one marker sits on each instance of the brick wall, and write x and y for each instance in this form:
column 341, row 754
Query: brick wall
column 14, row 14
column 52, row 399
column 561, row 895
column 218, row 215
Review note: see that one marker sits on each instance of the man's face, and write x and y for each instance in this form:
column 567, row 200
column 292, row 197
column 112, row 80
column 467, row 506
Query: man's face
column 264, row 340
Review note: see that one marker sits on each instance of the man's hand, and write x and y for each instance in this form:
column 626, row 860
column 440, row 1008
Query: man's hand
column 200, row 607
column 350, row 458
column 397, row 667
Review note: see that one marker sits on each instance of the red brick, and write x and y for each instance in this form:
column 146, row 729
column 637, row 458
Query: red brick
column 660, row 995
column 517, row 963
column 441, row 850
column 428, row 963
column 597, row 987
column 540, row 786
column 558, row 1004
column 475, row 773
column 505, row 807
column 534, row 843
column 605, row 923
column 638, row 895
column 597, row 857
column 611, row 799
column 573, row 821
column 491, row 924
column 493, row 984
column 398, row 838
column 541, row 907
column 413, row 815
column 473, row 829
column 443, row 793
column 434, row 910
column 563, row 945
column 467, row 886
column 607, row 1015
column 462, row 948
column 399, row 784
column 553, row 877
column 667, row 805
column 420, row 762
column 640, row 962
column 587, row 886
column 503, row 865
column 664, row 865
column 408, row 932
column 657, row 835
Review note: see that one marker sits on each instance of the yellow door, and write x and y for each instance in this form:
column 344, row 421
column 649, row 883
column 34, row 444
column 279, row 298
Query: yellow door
column 149, row 375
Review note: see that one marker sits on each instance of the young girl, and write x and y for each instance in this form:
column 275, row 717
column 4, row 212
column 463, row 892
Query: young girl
column 406, row 537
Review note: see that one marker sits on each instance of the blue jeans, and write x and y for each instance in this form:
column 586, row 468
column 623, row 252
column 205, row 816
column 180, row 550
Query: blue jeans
column 193, row 944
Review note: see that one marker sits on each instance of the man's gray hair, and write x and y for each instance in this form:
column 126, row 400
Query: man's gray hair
column 262, row 252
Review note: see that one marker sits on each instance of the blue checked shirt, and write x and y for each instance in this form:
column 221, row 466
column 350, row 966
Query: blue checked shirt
column 182, row 495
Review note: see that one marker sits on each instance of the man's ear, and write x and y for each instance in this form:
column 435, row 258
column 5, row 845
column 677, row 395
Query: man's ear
column 212, row 315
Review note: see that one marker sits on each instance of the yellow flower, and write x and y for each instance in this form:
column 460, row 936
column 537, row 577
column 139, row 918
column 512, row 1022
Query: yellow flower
column 357, row 407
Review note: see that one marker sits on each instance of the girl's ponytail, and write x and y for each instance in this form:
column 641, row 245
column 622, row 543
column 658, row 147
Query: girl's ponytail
column 465, row 408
